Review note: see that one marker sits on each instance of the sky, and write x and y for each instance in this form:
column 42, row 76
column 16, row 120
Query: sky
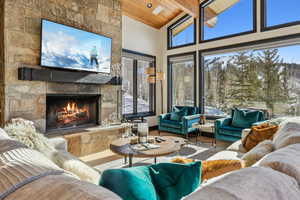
column 239, row 18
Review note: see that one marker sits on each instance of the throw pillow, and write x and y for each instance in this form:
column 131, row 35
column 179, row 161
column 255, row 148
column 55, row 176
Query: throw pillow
column 174, row 181
column 130, row 183
column 182, row 160
column 258, row 134
column 178, row 114
column 244, row 118
column 258, row 152
column 214, row 168
column 3, row 134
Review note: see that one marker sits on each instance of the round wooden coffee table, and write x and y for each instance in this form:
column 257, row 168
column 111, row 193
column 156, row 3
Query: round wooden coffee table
column 123, row 147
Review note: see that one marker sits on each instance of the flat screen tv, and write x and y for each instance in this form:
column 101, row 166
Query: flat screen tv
column 70, row 48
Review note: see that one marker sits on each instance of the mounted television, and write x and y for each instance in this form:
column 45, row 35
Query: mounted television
column 70, row 48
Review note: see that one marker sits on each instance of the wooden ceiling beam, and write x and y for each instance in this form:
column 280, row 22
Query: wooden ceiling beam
column 189, row 6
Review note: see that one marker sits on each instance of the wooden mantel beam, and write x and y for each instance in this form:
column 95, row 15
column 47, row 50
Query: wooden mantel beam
column 189, row 6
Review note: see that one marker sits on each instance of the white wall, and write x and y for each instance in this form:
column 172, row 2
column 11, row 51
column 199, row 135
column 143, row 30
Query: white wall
column 142, row 38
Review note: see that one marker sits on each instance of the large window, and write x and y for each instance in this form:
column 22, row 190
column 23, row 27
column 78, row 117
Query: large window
column 138, row 93
column 266, row 79
column 229, row 18
column 181, row 80
column 280, row 13
column 182, row 33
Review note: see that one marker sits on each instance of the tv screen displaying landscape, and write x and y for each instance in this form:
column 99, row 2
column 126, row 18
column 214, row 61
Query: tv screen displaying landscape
column 71, row 48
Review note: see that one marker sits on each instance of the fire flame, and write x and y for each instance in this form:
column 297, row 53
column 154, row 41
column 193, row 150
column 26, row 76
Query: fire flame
column 72, row 108
column 71, row 113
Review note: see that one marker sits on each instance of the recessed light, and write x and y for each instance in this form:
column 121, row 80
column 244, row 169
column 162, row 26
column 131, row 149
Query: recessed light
column 149, row 5
column 157, row 10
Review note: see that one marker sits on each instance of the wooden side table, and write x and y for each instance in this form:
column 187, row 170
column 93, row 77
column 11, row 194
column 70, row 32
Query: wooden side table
column 208, row 127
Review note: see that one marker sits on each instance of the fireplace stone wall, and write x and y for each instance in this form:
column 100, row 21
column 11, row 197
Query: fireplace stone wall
column 1, row 63
column 22, row 30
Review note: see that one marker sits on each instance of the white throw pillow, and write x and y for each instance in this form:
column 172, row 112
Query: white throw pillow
column 3, row 135
column 237, row 146
column 258, row 152
column 285, row 160
column 253, row 183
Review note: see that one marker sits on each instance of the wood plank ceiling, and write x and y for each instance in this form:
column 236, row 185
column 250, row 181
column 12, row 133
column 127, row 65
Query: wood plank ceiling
column 138, row 10
column 169, row 9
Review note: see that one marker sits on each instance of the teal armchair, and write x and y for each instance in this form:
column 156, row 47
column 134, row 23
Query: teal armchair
column 182, row 126
column 230, row 128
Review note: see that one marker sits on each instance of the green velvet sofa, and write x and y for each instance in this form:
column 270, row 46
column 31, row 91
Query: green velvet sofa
column 182, row 125
column 230, row 128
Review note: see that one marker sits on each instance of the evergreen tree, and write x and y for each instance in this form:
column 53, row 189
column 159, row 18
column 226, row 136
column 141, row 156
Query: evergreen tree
column 272, row 78
column 221, row 87
column 244, row 81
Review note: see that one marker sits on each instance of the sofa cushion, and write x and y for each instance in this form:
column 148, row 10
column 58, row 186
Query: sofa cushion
column 231, row 128
column 258, row 152
column 192, row 111
column 254, row 183
column 25, row 132
column 62, row 187
column 172, row 124
column 226, row 155
column 237, row 146
column 244, row 118
column 288, row 133
column 130, row 183
column 285, row 160
column 174, row 181
column 230, row 132
column 178, row 114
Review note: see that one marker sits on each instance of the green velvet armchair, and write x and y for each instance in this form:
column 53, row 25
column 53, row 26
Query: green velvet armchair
column 184, row 123
column 230, row 128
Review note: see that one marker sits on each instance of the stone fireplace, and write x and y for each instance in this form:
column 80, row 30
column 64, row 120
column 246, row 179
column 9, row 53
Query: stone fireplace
column 65, row 112
column 29, row 99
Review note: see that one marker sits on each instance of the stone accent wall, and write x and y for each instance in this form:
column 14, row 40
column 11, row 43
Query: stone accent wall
column 22, row 46
column 93, row 140
column 1, row 63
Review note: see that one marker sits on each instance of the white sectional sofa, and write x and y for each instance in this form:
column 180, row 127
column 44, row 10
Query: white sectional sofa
column 28, row 174
column 276, row 176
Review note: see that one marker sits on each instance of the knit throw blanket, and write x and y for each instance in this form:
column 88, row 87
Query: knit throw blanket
column 20, row 165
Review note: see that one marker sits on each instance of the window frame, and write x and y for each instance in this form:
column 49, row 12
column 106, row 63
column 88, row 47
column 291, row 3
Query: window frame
column 177, row 23
column 264, row 27
column 201, row 23
column 152, row 90
column 263, row 43
column 170, row 78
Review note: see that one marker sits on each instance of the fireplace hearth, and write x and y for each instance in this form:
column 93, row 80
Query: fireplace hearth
column 65, row 112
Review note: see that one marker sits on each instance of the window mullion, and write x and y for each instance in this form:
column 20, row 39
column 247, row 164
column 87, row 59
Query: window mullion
column 135, row 88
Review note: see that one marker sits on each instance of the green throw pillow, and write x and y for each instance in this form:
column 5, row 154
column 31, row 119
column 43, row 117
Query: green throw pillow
column 244, row 118
column 178, row 114
column 130, row 183
column 174, row 181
